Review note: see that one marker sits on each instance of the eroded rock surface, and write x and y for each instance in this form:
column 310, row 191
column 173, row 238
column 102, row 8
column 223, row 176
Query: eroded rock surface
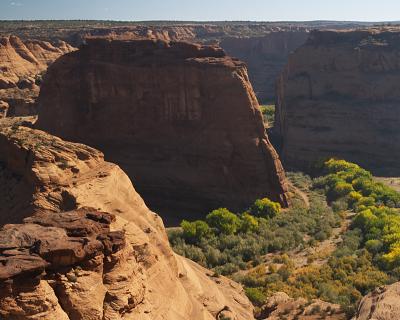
column 181, row 119
column 83, row 244
column 281, row 306
column 383, row 304
column 339, row 97
column 22, row 64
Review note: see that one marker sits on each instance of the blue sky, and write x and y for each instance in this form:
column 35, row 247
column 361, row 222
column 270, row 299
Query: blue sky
column 255, row 10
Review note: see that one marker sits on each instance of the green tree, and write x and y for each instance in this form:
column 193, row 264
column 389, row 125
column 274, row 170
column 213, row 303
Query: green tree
column 195, row 231
column 223, row 221
column 265, row 208
column 248, row 223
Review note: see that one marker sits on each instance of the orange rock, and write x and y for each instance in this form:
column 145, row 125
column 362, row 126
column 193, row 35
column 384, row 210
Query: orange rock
column 21, row 64
column 111, row 262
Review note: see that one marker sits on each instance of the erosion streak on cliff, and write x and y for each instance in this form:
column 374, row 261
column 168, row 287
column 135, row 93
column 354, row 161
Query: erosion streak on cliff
column 181, row 119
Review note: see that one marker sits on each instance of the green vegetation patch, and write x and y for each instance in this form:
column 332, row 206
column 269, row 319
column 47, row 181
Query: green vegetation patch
column 255, row 247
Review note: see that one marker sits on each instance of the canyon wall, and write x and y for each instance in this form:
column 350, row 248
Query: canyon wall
column 22, row 64
column 339, row 96
column 265, row 56
column 181, row 119
column 78, row 242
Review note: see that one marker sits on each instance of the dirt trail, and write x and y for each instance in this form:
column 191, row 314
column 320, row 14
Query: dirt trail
column 300, row 193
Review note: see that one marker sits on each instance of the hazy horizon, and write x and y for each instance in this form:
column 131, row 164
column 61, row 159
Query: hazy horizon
column 202, row 11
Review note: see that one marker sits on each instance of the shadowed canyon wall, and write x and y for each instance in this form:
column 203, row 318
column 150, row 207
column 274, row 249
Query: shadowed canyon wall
column 265, row 56
column 181, row 119
column 339, row 96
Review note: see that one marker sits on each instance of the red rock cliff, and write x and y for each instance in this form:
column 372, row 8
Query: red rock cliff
column 181, row 119
column 340, row 97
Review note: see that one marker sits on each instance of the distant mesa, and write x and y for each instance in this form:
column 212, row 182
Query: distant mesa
column 181, row 119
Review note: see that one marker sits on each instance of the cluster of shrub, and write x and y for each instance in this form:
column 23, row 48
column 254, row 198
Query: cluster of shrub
column 368, row 256
column 376, row 205
column 228, row 242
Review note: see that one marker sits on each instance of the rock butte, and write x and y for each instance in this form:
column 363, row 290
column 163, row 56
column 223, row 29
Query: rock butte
column 181, row 119
column 339, row 96
column 21, row 65
column 83, row 244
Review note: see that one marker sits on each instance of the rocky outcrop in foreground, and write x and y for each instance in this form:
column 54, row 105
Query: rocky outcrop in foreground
column 181, row 119
column 339, row 96
column 383, row 304
column 83, row 245
column 21, row 64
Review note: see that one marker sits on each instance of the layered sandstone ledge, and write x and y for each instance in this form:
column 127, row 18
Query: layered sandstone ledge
column 181, row 119
column 83, row 245
column 339, row 97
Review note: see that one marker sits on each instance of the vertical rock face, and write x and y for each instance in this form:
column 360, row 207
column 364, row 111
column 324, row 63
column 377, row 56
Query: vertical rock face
column 181, row 119
column 21, row 66
column 265, row 56
column 339, row 96
column 83, row 244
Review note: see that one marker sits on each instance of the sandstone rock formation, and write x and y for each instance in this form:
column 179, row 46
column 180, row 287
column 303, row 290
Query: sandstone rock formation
column 281, row 306
column 181, row 119
column 383, row 304
column 21, row 66
column 3, row 109
column 339, row 97
column 83, row 245
column 265, row 56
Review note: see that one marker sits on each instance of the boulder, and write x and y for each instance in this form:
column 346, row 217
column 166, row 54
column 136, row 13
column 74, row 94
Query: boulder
column 383, row 304
column 3, row 109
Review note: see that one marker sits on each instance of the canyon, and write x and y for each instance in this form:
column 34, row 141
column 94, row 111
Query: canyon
column 148, row 124
column 338, row 97
column 181, row 119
